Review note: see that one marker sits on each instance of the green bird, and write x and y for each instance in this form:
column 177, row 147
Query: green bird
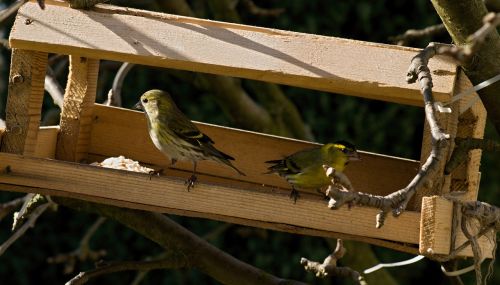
column 175, row 135
column 304, row 169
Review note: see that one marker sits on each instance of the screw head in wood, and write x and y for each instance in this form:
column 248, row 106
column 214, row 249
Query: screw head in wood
column 18, row 78
column 28, row 21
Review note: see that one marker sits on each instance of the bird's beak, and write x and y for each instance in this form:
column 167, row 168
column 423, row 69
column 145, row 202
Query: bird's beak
column 138, row 106
column 354, row 156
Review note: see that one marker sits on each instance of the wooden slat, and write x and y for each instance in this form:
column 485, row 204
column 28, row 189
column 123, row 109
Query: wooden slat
column 404, row 247
column 76, row 116
column 24, row 101
column 436, row 226
column 163, row 194
column 118, row 131
column 46, row 142
column 330, row 64
column 471, row 124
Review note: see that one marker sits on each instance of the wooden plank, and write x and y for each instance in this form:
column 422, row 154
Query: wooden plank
column 436, row 226
column 330, row 64
column 404, row 247
column 46, row 142
column 264, row 205
column 471, row 124
column 377, row 174
column 24, row 101
column 76, row 116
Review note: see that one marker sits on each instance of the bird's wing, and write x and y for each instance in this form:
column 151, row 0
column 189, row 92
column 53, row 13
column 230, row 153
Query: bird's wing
column 190, row 133
column 186, row 130
column 297, row 162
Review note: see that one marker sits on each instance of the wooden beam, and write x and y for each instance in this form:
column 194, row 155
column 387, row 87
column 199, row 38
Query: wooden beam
column 76, row 116
column 377, row 174
column 24, row 101
column 404, row 247
column 165, row 193
column 436, row 229
column 368, row 70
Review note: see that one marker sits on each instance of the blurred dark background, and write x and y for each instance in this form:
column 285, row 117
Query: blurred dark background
column 372, row 125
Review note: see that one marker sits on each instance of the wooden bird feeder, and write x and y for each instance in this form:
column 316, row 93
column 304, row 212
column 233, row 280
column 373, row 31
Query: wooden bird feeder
column 48, row 160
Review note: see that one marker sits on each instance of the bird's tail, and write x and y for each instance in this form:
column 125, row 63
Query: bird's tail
column 228, row 163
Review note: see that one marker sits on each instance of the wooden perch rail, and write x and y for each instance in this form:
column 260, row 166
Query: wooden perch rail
column 369, row 70
column 91, row 132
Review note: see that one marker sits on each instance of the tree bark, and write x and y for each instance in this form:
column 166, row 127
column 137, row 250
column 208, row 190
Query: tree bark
column 463, row 18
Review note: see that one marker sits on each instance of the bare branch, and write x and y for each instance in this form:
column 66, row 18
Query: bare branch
column 9, row 207
column 413, row 34
column 173, row 237
column 53, row 87
column 115, row 94
column 112, row 267
column 329, row 266
column 83, row 252
column 464, row 54
column 28, row 224
column 398, row 200
column 256, row 10
column 9, row 11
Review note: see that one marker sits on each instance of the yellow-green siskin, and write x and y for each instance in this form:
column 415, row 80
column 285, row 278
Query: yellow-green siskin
column 304, row 169
column 175, row 135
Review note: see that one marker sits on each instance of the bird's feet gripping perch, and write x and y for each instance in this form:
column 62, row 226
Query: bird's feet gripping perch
column 190, row 182
column 294, row 194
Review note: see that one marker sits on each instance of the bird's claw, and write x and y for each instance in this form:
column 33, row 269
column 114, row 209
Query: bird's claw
column 155, row 172
column 294, row 194
column 190, row 182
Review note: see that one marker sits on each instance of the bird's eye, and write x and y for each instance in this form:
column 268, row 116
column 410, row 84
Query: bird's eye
column 145, row 100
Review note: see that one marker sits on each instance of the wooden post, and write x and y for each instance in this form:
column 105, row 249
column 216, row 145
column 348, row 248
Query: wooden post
column 436, row 230
column 471, row 124
column 76, row 116
column 24, row 102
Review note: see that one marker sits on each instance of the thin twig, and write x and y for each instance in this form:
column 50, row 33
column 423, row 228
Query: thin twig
column 28, row 224
column 9, row 207
column 414, row 34
column 83, row 252
column 464, row 54
column 263, row 12
column 53, row 87
column 329, row 266
column 115, row 94
column 107, row 268
column 9, row 11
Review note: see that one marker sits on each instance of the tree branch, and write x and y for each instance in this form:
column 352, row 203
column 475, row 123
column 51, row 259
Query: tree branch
column 113, row 267
column 329, row 266
column 28, row 224
column 173, row 237
column 461, row 21
column 83, row 252
column 9, row 207
column 414, row 34
column 256, row 10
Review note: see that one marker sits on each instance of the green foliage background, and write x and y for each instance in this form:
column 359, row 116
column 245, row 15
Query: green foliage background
column 372, row 125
